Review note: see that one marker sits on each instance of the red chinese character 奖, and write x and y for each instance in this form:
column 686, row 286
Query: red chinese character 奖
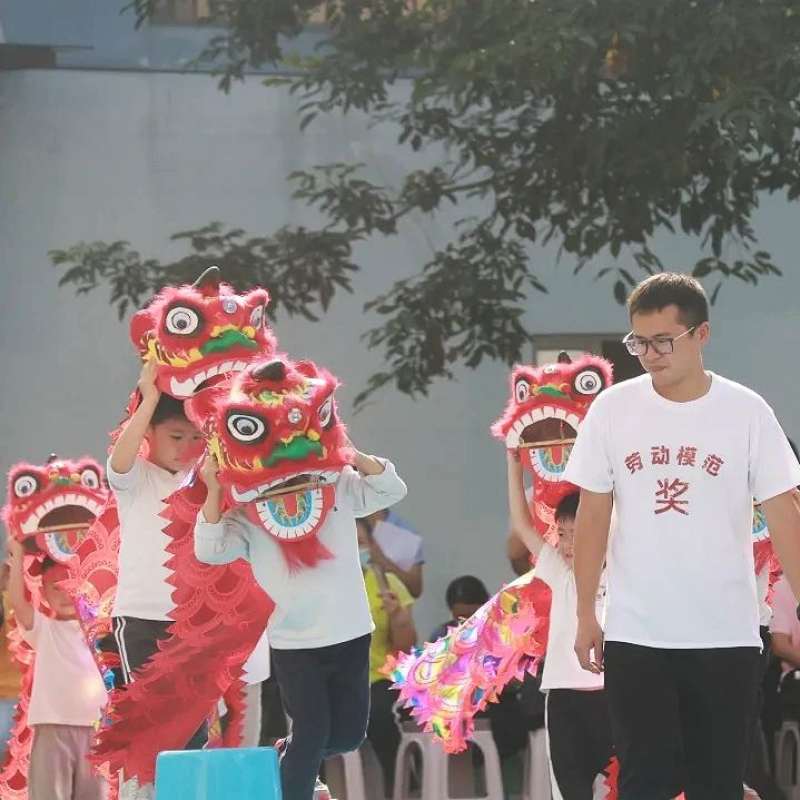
column 659, row 454
column 667, row 495
column 712, row 464
column 634, row 462
column 687, row 456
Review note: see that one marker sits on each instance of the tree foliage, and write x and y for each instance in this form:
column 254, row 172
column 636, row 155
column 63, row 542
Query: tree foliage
column 591, row 124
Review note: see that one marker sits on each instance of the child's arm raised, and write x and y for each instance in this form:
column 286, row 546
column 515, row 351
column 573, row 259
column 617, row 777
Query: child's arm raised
column 23, row 610
column 521, row 523
column 375, row 486
column 216, row 540
column 126, row 448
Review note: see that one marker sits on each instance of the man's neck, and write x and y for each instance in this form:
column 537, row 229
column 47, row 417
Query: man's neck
column 693, row 387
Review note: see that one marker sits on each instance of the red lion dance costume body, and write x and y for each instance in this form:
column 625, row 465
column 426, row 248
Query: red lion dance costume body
column 48, row 509
column 197, row 335
column 447, row 682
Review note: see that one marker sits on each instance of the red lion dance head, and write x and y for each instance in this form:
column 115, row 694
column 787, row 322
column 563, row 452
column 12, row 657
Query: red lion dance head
column 542, row 419
column 50, row 507
column 199, row 333
column 275, row 432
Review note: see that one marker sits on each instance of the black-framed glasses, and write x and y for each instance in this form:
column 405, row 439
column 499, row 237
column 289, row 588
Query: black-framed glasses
column 662, row 345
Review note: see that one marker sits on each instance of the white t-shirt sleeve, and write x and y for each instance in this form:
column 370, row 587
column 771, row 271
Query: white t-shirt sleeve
column 784, row 607
column 125, row 481
column 589, row 464
column 550, row 566
column 366, row 494
column 773, row 466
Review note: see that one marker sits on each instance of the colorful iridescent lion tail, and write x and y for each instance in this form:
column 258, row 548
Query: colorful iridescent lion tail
column 446, row 683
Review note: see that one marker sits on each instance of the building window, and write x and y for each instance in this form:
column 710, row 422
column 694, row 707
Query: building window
column 609, row 345
column 183, row 12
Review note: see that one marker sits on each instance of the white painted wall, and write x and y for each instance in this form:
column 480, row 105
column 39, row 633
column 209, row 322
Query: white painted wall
column 103, row 156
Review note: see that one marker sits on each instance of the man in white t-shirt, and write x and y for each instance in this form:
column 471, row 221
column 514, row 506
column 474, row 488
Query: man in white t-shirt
column 68, row 694
column 682, row 453
column 578, row 724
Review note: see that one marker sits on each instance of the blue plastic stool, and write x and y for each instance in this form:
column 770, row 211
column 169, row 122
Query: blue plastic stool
column 249, row 773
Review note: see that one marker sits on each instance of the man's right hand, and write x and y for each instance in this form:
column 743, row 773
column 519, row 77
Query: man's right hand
column 147, row 381
column 589, row 644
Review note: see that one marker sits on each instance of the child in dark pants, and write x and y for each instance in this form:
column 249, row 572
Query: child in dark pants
column 141, row 485
column 578, row 722
column 321, row 627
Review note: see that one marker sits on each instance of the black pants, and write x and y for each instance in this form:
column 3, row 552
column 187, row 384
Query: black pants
column 135, row 641
column 681, row 719
column 326, row 694
column 757, row 773
column 579, row 732
column 383, row 730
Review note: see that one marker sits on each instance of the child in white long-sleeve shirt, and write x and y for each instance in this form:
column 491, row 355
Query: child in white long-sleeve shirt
column 321, row 627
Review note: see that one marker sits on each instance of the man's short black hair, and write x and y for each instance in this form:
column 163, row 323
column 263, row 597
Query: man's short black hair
column 466, row 589
column 568, row 507
column 168, row 408
column 671, row 289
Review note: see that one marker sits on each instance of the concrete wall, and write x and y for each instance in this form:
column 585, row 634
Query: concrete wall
column 104, row 156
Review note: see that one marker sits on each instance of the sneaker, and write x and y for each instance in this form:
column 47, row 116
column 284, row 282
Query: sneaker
column 321, row 791
column 280, row 747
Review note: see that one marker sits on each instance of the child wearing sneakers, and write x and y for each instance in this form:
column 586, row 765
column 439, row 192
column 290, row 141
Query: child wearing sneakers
column 321, row 628
column 578, row 722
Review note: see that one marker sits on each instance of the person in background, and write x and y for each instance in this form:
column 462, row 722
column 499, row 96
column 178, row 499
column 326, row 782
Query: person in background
column 464, row 596
column 397, row 548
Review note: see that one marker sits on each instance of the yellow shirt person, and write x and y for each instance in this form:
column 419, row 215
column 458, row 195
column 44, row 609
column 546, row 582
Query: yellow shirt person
column 381, row 645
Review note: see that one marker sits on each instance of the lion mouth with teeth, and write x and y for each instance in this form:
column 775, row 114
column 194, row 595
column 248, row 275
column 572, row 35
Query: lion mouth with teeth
column 280, row 447
column 49, row 510
column 50, row 507
column 544, row 414
column 200, row 333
